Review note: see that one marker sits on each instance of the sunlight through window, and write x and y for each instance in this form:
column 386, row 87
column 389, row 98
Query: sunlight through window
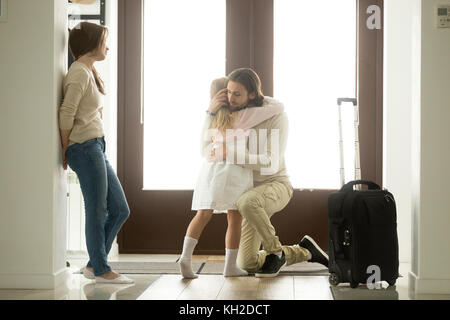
column 184, row 50
column 314, row 64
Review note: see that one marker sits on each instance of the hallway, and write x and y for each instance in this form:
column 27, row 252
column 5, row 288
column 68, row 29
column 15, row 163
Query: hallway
column 405, row 110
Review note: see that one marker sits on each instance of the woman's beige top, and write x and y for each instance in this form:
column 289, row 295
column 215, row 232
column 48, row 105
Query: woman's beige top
column 80, row 110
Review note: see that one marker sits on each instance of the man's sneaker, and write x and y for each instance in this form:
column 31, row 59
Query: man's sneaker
column 317, row 254
column 271, row 266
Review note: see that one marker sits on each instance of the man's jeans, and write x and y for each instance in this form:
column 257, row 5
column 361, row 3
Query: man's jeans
column 106, row 207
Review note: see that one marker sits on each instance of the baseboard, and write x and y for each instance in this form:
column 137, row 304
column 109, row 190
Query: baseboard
column 419, row 286
column 77, row 254
column 35, row 281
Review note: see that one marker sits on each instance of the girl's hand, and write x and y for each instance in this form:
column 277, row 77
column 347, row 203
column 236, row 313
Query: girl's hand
column 64, row 145
column 64, row 149
column 220, row 155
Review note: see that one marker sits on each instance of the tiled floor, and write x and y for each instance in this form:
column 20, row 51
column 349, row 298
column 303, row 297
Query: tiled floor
column 211, row 287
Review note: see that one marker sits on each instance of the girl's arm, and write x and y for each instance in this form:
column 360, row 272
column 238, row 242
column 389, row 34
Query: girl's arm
column 206, row 141
column 74, row 88
column 65, row 134
column 251, row 117
column 215, row 104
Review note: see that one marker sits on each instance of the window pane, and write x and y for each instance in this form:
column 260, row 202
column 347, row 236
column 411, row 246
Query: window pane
column 184, row 50
column 314, row 64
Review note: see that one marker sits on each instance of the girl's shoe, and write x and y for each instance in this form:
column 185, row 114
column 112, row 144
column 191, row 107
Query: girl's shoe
column 120, row 280
column 88, row 274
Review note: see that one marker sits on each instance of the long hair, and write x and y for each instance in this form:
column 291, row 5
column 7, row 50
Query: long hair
column 86, row 37
column 224, row 117
column 250, row 80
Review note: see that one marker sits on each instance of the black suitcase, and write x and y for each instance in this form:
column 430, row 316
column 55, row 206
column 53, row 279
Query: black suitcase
column 362, row 226
column 362, row 235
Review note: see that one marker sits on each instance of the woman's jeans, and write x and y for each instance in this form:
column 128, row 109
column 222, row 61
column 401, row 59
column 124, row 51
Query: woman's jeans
column 106, row 207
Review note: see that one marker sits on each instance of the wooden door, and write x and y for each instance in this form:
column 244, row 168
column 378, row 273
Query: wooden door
column 159, row 219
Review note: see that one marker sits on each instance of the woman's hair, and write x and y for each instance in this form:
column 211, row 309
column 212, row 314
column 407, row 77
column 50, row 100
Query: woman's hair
column 86, row 37
column 250, row 80
column 224, row 117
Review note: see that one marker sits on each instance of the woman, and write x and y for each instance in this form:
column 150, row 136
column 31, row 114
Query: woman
column 83, row 149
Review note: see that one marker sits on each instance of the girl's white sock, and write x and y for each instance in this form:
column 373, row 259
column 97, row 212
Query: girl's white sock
column 185, row 261
column 231, row 269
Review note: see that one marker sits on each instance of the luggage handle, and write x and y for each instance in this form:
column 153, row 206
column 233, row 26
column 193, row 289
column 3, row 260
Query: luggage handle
column 370, row 184
column 352, row 100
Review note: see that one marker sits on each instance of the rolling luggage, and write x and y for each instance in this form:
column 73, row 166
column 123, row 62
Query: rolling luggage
column 362, row 239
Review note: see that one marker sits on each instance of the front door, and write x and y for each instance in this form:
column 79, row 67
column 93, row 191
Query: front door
column 307, row 54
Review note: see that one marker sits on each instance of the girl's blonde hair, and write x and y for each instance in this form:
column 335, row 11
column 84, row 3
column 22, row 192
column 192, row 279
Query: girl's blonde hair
column 224, row 118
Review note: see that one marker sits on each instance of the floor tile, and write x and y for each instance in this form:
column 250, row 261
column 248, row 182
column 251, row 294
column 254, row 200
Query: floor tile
column 172, row 287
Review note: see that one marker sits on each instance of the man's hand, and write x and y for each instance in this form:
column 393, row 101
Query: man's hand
column 218, row 101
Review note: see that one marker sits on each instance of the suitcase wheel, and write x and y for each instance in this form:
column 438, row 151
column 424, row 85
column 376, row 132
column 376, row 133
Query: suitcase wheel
column 334, row 279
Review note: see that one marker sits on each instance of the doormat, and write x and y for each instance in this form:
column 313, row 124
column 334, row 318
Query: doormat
column 298, row 269
column 362, row 292
column 137, row 267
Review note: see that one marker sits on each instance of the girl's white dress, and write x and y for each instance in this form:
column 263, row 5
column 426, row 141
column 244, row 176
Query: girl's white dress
column 220, row 184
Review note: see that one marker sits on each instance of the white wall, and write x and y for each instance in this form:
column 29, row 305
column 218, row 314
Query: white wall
column 32, row 186
column 417, row 153
column 431, row 154
column 397, row 115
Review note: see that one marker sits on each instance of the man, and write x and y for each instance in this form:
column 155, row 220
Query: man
column 272, row 189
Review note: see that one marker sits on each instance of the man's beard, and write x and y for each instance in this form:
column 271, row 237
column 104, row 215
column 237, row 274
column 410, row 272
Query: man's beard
column 236, row 106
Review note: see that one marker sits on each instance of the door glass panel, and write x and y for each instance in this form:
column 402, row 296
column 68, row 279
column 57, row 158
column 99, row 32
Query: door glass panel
column 314, row 64
column 184, row 50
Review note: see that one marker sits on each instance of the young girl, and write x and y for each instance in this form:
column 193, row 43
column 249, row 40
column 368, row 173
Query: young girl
column 83, row 149
column 220, row 184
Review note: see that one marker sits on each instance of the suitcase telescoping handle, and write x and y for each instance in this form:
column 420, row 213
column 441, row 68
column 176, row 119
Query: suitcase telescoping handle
column 349, row 186
column 354, row 101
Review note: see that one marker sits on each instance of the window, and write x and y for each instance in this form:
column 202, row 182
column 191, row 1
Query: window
column 314, row 64
column 184, row 50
